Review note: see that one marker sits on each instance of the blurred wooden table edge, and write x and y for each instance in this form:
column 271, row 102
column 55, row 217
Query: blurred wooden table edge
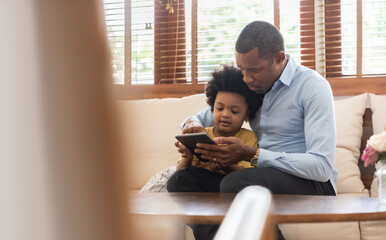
column 210, row 208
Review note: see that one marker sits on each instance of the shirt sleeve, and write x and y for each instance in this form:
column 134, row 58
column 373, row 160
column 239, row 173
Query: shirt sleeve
column 205, row 117
column 320, row 137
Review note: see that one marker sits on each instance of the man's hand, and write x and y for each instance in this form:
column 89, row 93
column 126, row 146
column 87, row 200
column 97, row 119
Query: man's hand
column 229, row 150
column 192, row 126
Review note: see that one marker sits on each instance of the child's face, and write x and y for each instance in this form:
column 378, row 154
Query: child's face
column 230, row 111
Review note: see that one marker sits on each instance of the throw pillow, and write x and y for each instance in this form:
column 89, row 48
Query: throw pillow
column 158, row 182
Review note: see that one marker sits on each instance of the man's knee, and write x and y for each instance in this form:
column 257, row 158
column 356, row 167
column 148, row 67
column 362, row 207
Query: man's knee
column 232, row 183
column 238, row 180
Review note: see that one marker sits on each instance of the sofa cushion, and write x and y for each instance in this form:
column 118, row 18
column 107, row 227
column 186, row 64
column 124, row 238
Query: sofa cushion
column 321, row 231
column 373, row 230
column 314, row 231
column 349, row 119
column 149, row 129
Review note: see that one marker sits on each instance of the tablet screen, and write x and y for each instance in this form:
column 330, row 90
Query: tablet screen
column 190, row 140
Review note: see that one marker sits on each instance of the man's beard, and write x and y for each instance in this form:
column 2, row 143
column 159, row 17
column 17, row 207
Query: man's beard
column 258, row 90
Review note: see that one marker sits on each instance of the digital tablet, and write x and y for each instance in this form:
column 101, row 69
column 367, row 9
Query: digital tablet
column 190, row 140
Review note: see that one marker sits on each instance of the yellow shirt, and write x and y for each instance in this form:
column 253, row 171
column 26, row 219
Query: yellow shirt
column 248, row 137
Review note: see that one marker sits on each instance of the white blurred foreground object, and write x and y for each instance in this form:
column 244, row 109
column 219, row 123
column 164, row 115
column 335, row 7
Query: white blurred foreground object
column 248, row 217
column 61, row 174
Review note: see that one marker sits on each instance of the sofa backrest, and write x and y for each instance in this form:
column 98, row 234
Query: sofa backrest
column 150, row 125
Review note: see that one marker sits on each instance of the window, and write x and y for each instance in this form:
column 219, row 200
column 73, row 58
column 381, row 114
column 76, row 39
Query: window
column 115, row 23
column 374, row 37
column 218, row 25
column 131, row 38
column 142, row 41
column 349, row 40
column 169, row 47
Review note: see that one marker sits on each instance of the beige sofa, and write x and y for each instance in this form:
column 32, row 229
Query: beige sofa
column 153, row 123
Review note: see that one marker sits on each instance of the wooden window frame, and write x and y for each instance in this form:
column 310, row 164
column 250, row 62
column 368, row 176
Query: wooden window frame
column 345, row 85
column 169, row 87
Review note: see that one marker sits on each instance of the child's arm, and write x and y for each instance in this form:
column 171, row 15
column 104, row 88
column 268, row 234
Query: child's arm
column 184, row 162
column 186, row 156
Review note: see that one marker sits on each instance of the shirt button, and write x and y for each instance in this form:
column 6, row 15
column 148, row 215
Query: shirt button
column 264, row 134
column 263, row 115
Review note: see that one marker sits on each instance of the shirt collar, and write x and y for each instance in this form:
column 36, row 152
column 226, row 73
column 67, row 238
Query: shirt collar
column 289, row 71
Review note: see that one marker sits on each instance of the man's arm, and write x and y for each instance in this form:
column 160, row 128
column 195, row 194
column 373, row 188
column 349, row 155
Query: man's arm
column 198, row 122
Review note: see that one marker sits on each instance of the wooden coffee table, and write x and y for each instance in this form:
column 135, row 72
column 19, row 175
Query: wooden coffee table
column 210, row 208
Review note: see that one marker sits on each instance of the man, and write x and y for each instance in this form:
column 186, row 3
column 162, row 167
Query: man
column 295, row 125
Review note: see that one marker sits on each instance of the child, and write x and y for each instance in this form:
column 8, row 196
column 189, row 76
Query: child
column 232, row 103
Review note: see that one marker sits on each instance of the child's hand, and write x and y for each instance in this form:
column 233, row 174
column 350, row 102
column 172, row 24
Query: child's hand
column 183, row 150
column 214, row 166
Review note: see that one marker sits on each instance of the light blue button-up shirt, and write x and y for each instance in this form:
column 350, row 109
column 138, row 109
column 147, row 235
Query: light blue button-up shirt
column 295, row 125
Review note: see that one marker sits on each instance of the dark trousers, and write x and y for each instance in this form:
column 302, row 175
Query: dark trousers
column 192, row 179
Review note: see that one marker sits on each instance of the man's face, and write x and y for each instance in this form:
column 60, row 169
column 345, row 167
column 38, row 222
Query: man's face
column 259, row 74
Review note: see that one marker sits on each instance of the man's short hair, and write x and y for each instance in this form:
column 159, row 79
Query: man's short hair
column 261, row 35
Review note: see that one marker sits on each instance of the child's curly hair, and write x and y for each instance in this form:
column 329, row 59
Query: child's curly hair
column 228, row 78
